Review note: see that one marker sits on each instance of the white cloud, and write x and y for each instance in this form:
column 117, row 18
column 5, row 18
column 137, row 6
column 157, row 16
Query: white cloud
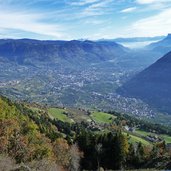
column 127, row 10
column 26, row 22
column 83, row 2
column 159, row 24
column 98, row 8
column 152, row 1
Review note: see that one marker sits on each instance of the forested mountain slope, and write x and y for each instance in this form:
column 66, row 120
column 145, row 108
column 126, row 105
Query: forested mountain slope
column 30, row 139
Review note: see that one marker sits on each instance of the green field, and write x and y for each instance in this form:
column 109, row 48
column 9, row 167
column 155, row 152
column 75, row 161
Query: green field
column 144, row 133
column 59, row 114
column 101, row 117
column 166, row 138
column 135, row 139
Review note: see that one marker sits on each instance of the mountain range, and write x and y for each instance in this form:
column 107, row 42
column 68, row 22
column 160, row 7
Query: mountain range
column 26, row 51
column 163, row 45
column 134, row 39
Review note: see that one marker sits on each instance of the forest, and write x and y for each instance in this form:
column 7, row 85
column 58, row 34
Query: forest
column 31, row 140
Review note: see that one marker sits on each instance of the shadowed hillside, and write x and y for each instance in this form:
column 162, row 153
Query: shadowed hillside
column 152, row 85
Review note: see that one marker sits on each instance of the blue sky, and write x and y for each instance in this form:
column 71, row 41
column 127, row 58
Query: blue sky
column 87, row 19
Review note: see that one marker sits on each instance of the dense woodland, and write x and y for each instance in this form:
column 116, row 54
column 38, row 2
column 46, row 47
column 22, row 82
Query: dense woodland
column 33, row 141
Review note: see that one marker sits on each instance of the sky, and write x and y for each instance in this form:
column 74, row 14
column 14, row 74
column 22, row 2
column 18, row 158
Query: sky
column 84, row 19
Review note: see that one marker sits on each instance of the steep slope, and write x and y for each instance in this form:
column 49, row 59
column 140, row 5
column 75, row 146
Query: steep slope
column 163, row 46
column 26, row 51
column 30, row 141
column 19, row 135
column 152, row 85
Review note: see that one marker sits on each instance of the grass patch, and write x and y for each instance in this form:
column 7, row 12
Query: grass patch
column 143, row 133
column 166, row 138
column 102, row 117
column 59, row 114
column 134, row 139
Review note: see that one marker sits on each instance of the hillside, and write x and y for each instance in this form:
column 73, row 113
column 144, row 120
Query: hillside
column 19, row 135
column 31, row 139
column 152, row 85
